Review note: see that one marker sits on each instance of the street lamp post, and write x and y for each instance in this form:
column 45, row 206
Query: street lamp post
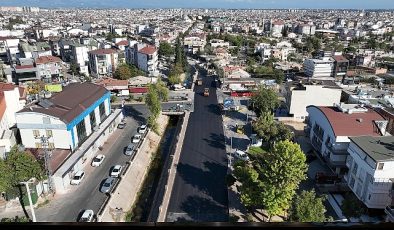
column 26, row 183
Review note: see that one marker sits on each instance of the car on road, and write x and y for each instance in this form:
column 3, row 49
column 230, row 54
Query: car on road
column 241, row 155
column 130, row 149
column 142, row 129
column 79, row 175
column 136, row 138
column 106, row 187
column 121, row 125
column 98, row 160
column 116, row 170
column 87, row 216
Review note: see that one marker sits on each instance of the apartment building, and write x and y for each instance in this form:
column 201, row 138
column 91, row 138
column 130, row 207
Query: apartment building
column 103, row 62
column 80, row 57
column 143, row 56
column 318, row 67
column 49, row 68
column 341, row 65
column 300, row 95
column 194, row 43
column 371, row 169
column 329, row 129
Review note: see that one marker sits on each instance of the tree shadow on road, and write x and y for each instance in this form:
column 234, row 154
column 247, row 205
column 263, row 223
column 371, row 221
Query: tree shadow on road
column 216, row 141
column 212, row 108
column 135, row 114
column 210, row 182
column 203, row 209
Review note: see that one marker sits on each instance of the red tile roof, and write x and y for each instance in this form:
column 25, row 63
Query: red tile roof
column 148, row 50
column 24, row 66
column 7, row 86
column 122, row 43
column 344, row 124
column 340, row 58
column 3, row 105
column 47, row 59
column 102, row 51
column 138, row 89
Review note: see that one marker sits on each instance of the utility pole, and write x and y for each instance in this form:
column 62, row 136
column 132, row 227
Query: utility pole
column 47, row 157
column 26, row 183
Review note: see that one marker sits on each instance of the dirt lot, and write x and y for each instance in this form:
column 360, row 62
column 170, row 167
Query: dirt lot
column 297, row 127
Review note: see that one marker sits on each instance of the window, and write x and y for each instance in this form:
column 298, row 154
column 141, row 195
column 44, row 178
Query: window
column 81, row 132
column 51, row 145
column 38, row 145
column 36, row 133
column 380, row 166
column 369, row 197
column 102, row 111
column 352, row 180
column 92, row 116
column 49, row 133
column 355, row 167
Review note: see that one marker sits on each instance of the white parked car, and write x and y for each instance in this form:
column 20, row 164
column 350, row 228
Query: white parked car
column 78, row 177
column 255, row 141
column 87, row 216
column 142, row 129
column 116, row 170
column 241, row 155
column 136, row 138
column 98, row 160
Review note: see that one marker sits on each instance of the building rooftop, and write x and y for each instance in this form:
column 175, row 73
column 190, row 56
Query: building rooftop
column 71, row 102
column 149, row 50
column 378, row 148
column 102, row 51
column 351, row 124
column 47, row 59
column 340, row 58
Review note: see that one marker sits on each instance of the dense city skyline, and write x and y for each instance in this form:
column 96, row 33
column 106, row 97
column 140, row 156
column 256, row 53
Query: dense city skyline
column 271, row 4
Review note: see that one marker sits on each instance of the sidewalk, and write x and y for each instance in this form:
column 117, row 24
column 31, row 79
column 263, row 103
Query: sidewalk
column 125, row 195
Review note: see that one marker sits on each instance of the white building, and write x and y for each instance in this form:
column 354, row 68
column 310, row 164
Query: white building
column 143, row 56
column 371, row 170
column 218, row 43
column 80, row 57
column 277, row 27
column 320, row 93
column 12, row 99
column 103, row 62
column 329, row 129
column 318, row 67
column 48, row 67
column 74, row 128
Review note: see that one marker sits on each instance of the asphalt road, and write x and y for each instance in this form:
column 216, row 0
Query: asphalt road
column 200, row 192
column 87, row 194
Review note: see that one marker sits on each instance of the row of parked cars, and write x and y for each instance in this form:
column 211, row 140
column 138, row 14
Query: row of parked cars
column 115, row 171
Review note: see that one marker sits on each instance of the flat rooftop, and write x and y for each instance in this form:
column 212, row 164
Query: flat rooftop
column 378, row 148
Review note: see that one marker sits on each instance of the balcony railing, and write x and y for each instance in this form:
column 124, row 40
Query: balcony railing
column 336, row 151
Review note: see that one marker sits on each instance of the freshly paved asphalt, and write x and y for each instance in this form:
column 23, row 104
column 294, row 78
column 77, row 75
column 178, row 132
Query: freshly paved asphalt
column 200, row 192
column 87, row 194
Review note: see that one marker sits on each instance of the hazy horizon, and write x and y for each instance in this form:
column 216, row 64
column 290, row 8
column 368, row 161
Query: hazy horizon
column 216, row 4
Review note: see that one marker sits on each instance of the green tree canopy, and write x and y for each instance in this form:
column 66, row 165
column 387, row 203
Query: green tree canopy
column 352, row 207
column 165, row 49
column 308, row 207
column 265, row 100
column 123, row 72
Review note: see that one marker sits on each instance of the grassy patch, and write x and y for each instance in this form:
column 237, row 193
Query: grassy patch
column 43, row 203
column 256, row 150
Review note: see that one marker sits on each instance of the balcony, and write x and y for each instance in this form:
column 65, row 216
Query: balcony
column 335, row 150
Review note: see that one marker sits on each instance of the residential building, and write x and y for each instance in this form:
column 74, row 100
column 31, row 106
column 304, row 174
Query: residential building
column 371, row 169
column 75, row 122
column 300, row 95
column 103, row 62
column 24, row 70
column 318, row 67
column 49, row 68
column 80, row 57
column 341, row 65
column 12, row 99
column 194, row 43
column 306, row 29
column 218, row 43
column 329, row 129
column 143, row 56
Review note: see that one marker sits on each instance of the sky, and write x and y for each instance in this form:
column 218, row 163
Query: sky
column 232, row 4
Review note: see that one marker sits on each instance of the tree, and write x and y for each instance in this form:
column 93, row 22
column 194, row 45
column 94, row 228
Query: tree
column 74, row 68
column 174, row 79
column 156, row 93
column 352, row 207
column 285, row 32
column 282, row 169
column 35, row 87
column 265, row 100
column 165, row 49
column 5, row 176
column 307, row 207
column 123, row 72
